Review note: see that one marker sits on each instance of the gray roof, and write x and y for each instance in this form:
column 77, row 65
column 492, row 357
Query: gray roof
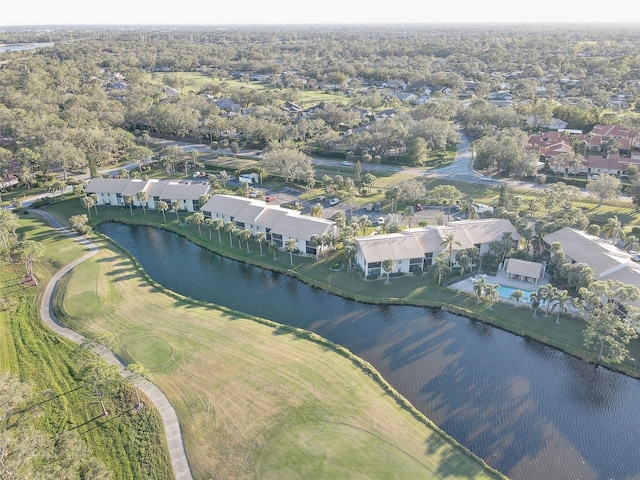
column 154, row 188
column 301, row 226
column 396, row 246
column 279, row 220
column 107, row 185
column 599, row 254
column 184, row 191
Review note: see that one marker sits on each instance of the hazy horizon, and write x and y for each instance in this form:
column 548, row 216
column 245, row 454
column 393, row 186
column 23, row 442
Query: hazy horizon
column 123, row 13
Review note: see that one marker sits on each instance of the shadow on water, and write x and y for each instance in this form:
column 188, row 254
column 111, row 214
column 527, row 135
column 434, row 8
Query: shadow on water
column 530, row 411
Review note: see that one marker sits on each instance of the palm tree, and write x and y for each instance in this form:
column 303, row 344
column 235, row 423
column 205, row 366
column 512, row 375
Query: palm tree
column 218, row 225
column 197, row 219
column 237, row 234
column 245, row 235
column 260, row 237
column 535, row 302
column 549, row 293
column 208, row 222
column 517, row 295
column 94, row 197
column 613, row 230
column 229, row 227
column 87, row 202
column 479, row 286
column 363, row 223
column 162, row 206
column 128, row 200
column 142, row 197
column 442, row 267
column 448, row 242
column 317, row 211
column 387, row 266
column 175, row 206
column 409, row 214
column 291, row 246
column 273, row 248
column 349, row 251
column 561, row 301
column 492, row 293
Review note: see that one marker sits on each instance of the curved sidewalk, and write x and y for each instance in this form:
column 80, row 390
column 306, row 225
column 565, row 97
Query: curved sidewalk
column 179, row 460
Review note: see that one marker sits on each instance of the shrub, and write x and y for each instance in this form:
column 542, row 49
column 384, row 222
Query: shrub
column 373, row 276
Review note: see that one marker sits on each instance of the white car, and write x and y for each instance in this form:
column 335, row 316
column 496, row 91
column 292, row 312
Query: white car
column 379, row 221
column 334, row 201
column 346, row 164
column 196, row 174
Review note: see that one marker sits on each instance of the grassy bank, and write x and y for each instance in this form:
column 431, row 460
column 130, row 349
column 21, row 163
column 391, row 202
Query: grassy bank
column 131, row 445
column 257, row 399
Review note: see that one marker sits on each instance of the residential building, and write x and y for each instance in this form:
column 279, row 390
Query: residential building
column 607, row 261
column 415, row 249
column 111, row 191
column 279, row 224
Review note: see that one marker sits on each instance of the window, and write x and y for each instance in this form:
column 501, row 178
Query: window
column 428, row 259
column 415, row 264
column 196, row 205
column 277, row 239
column 310, row 250
column 240, row 225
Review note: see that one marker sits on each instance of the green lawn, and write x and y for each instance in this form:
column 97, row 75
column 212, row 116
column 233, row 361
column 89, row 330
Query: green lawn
column 256, row 399
column 130, row 445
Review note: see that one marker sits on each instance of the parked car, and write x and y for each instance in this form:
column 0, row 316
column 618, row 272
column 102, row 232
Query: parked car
column 346, row 164
column 418, row 207
column 254, row 194
column 334, row 201
column 377, row 207
column 196, row 174
column 379, row 221
column 269, row 198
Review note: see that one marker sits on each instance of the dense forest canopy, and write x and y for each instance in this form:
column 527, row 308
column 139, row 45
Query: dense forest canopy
column 359, row 90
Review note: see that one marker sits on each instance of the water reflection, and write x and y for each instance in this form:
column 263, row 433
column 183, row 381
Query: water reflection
column 528, row 410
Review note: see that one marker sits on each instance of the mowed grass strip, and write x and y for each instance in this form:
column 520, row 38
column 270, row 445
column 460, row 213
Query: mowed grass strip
column 256, row 400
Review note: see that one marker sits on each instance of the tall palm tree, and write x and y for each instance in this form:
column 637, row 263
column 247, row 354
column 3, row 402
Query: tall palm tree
column 613, row 230
column 409, row 214
column 245, row 235
column 535, row 302
column 363, row 223
column 87, row 202
column 229, row 227
column 260, row 238
column 197, row 219
column 448, row 242
column 128, row 200
column 208, row 222
column 291, row 246
column 273, row 248
column 561, row 301
column 162, row 206
column 492, row 293
column 218, row 224
column 387, row 266
column 175, row 206
column 442, row 267
column 142, row 197
column 479, row 285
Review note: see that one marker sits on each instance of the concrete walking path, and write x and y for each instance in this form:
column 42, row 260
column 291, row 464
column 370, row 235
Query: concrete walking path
column 177, row 453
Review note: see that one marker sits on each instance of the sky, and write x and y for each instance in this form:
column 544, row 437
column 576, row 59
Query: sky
column 278, row 12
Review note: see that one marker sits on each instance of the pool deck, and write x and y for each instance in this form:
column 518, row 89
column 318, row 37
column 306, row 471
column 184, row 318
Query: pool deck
column 501, row 278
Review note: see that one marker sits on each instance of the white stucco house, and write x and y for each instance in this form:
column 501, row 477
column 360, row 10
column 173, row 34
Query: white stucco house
column 111, row 191
column 415, row 249
column 279, row 224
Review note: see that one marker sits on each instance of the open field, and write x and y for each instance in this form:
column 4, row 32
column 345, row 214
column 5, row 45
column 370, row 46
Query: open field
column 256, row 399
column 130, row 445
column 195, row 81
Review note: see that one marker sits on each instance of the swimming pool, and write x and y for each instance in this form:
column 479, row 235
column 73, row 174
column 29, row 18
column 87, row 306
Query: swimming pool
column 505, row 292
